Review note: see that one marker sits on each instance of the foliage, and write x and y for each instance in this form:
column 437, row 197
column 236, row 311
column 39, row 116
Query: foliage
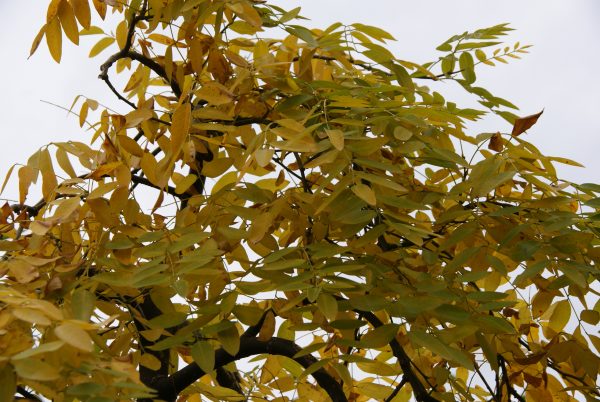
column 299, row 197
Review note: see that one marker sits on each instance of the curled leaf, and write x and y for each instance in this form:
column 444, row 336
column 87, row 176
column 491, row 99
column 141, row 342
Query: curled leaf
column 523, row 124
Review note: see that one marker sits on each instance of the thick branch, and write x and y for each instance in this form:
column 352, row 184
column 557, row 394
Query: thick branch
column 169, row 387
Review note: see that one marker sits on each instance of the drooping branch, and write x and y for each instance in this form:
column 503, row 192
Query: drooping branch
column 169, row 387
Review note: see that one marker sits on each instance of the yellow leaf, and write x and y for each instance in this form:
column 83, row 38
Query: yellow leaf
column 49, row 182
column 27, row 175
column 149, row 166
column 68, row 21
column 82, row 12
column 40, row 228
column 6, row 178
column 215, row 94
column 32, row 316
column 136, row 117
column 216, row 167
column 83, row 113
column 38, row 39
column 263, row 156
column 180, row 128
column 268, row 327
column 100, row 8
column 129, row 145
column 185, row 183
column 560, row 316
column 337, row 138
column 365, row 193
column 52, row 10
column 37, row 370
column 75, row 336
column 54, row 39
column 121, row 34
column 150, row 361
column 101, row 45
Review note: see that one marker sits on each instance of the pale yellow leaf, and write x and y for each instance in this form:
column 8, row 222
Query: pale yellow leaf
column 35, row 369
column 75, row 336
column 263, row 156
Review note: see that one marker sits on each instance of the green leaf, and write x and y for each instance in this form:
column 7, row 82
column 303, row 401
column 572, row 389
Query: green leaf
column 374, row 32
column 82, row 304
column 379, row 337
column 436, row 346
column 467, row 67
column 204, row 355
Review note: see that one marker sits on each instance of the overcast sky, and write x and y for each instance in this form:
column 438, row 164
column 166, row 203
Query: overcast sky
column 559, row 75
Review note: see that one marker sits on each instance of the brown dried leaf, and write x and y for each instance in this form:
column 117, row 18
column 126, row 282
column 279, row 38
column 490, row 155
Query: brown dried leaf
column 496, row 143
column 523, row 124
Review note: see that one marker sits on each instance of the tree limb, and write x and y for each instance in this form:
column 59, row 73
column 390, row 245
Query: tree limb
column 169, row 387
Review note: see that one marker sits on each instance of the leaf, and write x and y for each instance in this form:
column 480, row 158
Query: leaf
column 75, row 336
column 496, row 143
column 101, row 45
column 373, row 32
column 37, row 40
column 204, row 355
column 52, row 11
column 268, row 327
column 8, row 383
column 467, row 67
column 180, row 127
column 328, row 305
column 68, row 21
column 184, row 184
column 37, row 370
column 523, row 124
column 379, row 337
column 436, row 346
column 336, row 137
column 82, row 12
column 82, row 304
column 54, row 38
column 560, row 316
column 365, row 193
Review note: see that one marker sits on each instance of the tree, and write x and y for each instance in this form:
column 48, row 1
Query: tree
column 299, row 197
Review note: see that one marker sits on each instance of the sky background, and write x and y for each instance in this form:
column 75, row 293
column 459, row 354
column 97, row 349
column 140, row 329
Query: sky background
column 559, row 75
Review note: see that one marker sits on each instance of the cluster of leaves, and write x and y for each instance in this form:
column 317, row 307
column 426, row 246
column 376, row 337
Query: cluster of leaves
column 309, row 208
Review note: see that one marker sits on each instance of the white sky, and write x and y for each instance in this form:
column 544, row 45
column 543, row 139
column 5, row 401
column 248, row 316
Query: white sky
column 558, row 75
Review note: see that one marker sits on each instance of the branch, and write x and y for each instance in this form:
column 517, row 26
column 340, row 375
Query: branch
column 28, row 395
column 404, row 360
column 126, row 52
column 396, row 390
column 168, row 189
column 169, row 387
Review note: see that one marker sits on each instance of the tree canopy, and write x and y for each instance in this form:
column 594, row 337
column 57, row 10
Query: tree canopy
column 282, row 213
